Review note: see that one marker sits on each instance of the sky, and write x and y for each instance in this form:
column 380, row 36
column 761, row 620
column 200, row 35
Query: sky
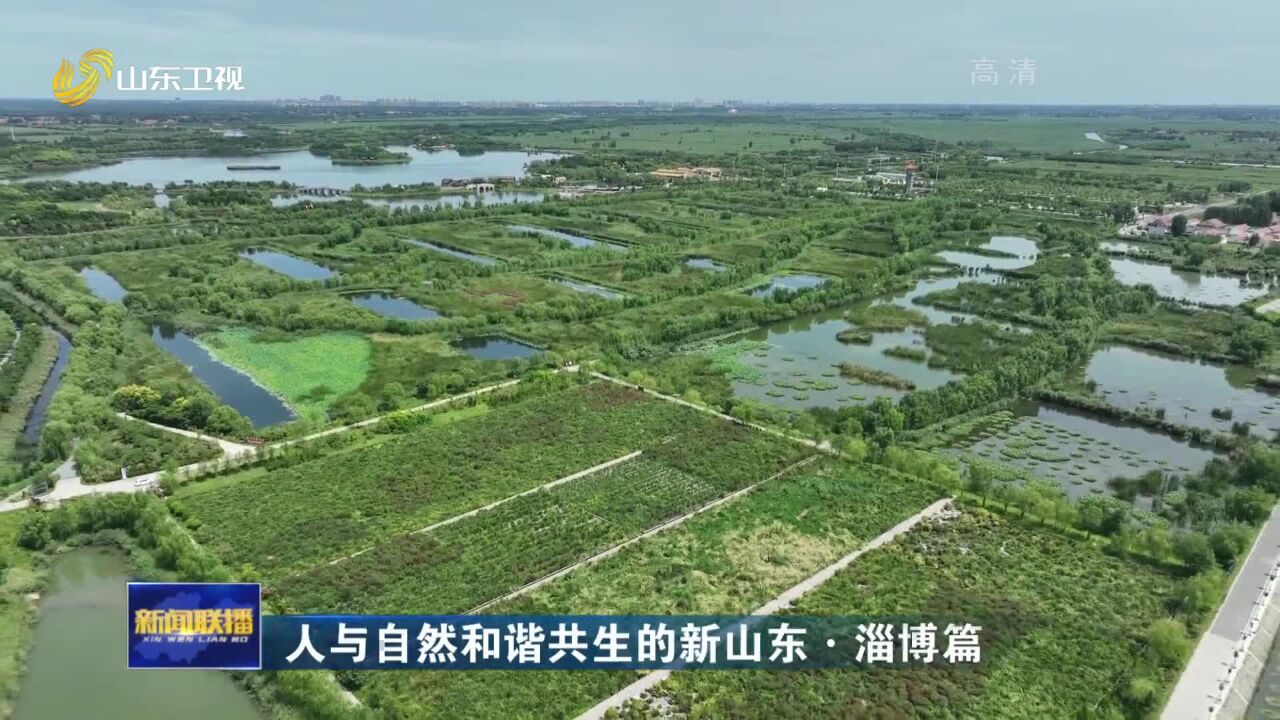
column 846, row 51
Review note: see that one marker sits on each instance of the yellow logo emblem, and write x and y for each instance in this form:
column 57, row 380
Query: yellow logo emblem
column 93, row 65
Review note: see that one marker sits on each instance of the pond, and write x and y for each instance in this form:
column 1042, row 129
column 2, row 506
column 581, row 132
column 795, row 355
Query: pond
column 39, row 413
column 586, row 287
column 577, row 241
column 793, row 363
column 1015, row 252
column 1182, row 285
column 1077, row 451
column 1187, row 390
column 232, row 386
column 789, row 282
column 469, row 257
column 701, row 263
column 301, row 168
column 102, row 285
column 76, row 667
column 294, row 267
column 394, row 307
column 496, row 347
column 455, row 200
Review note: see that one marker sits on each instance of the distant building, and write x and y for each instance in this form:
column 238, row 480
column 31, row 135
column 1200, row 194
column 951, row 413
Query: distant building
column 687, row 173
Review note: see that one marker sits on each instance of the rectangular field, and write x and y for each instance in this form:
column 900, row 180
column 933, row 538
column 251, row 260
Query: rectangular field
column 480, row 558
column 729, row 560
column 1064, row 627
column 288, row 520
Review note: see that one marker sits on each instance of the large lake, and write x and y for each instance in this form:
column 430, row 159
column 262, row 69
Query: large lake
column 302, row 168
column 77, row 670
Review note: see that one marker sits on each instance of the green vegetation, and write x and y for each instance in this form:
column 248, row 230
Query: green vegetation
column 1062, row 624
column 290, row 519
column 875, row 377
column 307, row 371
column 1142, row 515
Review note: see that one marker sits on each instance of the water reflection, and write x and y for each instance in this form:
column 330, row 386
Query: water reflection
column 294, row 267
column 394, row 307
column 1182, row 285
column 232, row 386
column 496, row 347
column 787, row 282
column 1187, row 391
column 303, row 169
column 469, row 257
column 576, row 241
column 102, row 285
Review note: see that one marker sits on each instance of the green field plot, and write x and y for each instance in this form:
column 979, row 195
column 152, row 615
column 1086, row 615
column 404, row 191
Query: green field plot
column 308, row 371
column 290, row 519
column 1063, row 627
column 731, row 560
column 461, row 565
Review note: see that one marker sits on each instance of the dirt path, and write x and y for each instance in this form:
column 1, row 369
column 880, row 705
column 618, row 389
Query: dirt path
column 497, row 503
column 823, row 446
column 637, row 689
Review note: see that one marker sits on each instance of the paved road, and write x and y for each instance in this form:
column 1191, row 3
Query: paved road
column 1197, row 688
column 638, row 688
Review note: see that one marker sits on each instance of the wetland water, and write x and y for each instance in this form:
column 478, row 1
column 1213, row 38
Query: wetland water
column 455, row 200
column 302, row 168
column 496, row 347
column 1187, row 390
column 76, row 668
column 469, row 257
column 39, row 413
column 577, row 241
column 1076, row 451
column 701, row 263
column 788, row 282
column 1017, row 252
column 1182, row 285
column 394, row 307
column 102, row 285
column 294, row 267
column 586, row 287
column 792, row 362
column 233, row 387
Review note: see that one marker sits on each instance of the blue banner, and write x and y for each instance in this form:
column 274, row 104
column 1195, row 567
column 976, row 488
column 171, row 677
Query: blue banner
column 195, row 626
column 596, row 642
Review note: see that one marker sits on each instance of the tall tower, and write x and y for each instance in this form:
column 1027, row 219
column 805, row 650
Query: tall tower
column 911, row 176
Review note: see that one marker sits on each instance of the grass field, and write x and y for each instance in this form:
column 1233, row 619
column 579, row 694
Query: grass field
column 309, row 371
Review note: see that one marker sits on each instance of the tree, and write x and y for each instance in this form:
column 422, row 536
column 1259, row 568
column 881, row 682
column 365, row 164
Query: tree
column 1193, row 550
column 1259, row 465
column 1179, row 225
column 1249, row 505
column 1168, row 643
column 979, row 480
column 1229, row 542
column 34, row 533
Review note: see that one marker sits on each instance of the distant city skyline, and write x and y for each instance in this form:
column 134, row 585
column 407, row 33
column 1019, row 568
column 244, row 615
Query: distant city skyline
column 814, row 51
